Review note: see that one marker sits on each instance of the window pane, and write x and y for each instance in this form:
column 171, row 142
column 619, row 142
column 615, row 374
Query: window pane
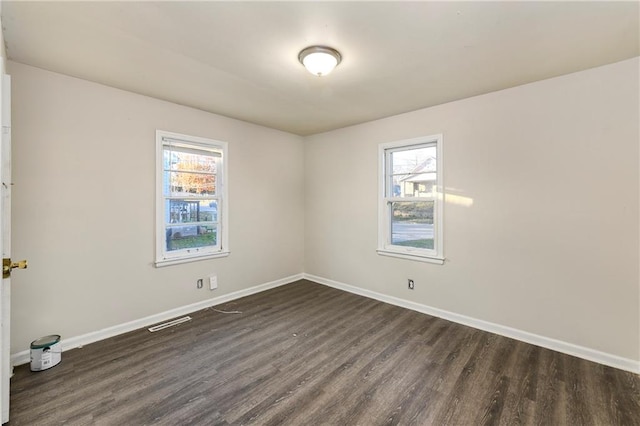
column 185, row 237
column 413, row 172
column 192, row 190
column 185, row 183
column 187, row 211
column 412, row 224
column 187, row 161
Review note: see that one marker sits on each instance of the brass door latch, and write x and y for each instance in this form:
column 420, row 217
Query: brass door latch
column 8, row 265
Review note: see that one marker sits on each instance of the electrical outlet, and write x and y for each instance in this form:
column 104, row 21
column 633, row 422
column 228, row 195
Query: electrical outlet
column 410, row 284
column 199, row 283
column 213, row 282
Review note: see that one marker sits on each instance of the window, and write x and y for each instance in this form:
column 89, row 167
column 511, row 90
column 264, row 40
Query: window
column 191, row 200
column 411, row 199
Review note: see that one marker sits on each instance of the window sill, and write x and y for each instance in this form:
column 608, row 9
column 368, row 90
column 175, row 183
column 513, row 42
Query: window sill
column 414, row 257
column 176, row 261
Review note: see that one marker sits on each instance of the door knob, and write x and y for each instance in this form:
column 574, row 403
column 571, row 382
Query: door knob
column 8, row 265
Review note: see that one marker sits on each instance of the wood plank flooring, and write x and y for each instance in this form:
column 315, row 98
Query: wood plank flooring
column 306, row 354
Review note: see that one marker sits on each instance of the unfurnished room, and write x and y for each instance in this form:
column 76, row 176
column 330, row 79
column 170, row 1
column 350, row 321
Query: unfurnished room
column 320, row 213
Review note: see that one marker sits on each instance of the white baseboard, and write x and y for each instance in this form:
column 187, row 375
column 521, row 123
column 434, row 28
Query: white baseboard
column 24, row 357
column 545, row 342
column 615, row 361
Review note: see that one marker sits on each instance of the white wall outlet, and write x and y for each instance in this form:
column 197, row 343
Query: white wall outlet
column 213, row 282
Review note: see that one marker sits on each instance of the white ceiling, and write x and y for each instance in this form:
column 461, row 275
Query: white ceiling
column 239, row 59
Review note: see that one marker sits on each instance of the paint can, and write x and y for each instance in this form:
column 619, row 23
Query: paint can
column 46, row 352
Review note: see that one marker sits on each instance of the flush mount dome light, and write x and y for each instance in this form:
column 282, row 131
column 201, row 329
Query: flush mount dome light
column 319, row 60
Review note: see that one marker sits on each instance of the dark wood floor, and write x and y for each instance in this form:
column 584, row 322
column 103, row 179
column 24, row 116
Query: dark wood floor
column 306, row 354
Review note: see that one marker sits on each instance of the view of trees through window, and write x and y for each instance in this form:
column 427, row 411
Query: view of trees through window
column 191, row 204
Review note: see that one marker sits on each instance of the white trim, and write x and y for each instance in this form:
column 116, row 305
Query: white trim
column 409, row 256
column 435, row 255
column 5, row 245
column 23, row 357
column 169, row 262
column 163, row 258
column 524, row 336
column 611, row 360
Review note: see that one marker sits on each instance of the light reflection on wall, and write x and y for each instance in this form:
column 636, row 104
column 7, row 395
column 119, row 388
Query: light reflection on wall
column 452, row 198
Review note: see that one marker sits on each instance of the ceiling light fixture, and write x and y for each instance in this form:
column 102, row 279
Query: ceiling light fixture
column 319, row 60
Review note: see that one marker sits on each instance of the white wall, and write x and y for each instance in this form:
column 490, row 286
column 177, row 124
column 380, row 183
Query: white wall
column 83, row 206
column 549, row 245
column 3, row 51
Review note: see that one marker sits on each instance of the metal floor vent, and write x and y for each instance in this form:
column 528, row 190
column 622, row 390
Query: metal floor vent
column 169, row 324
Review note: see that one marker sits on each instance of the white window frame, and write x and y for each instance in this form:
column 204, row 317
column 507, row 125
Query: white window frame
column 386, row 198
column 164, row 257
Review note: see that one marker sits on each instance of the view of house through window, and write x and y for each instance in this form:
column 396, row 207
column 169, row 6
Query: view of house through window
column 191, row 194
column 413, row 176
column 410, row 210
